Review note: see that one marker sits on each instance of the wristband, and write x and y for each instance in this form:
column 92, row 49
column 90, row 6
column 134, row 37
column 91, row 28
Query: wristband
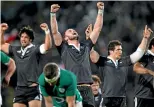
column 47, row 32
column 101, row 11
column 52, row 14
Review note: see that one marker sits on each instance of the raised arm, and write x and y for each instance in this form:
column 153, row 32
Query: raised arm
column 48, row 42
column 3, row 46
column 54, row 26
column 139, row 68
column 98, row 23
column 142, row 47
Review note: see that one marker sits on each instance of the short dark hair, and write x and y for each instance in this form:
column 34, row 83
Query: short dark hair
column 112, row 44
column 50, row 70
column 151, row 43
column 28, row 30
column 96, row 79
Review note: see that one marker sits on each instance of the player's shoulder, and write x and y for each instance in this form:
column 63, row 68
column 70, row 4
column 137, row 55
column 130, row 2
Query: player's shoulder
column 41, row 79
column 67, row 74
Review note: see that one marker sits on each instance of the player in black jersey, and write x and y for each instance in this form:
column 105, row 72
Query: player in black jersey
column 144, row 84
column 27, row 58
column 75, row 55
column 114, row 69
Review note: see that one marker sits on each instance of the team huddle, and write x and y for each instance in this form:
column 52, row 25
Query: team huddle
column 75, row 85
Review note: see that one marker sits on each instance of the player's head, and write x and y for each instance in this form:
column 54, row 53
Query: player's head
column 96, row 84
column 51, row 73
column 71, row 34
column 115, row 49
column 151, row 44
column 26, row 35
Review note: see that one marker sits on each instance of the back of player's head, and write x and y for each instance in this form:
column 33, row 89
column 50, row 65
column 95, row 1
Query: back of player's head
column 112, row 44
column 51, row 70
column 151, row 43
column 28, row 30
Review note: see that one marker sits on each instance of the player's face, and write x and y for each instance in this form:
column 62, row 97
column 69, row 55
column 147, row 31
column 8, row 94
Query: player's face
column 117, row 53
column 25, row 40
column 95, row 88
column 71, row 34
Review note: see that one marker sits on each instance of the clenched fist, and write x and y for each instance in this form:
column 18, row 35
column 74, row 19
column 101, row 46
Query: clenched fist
column 55, row 8
column 100, row 5
column 147, row 32
column 44, row 26
column 3, row 26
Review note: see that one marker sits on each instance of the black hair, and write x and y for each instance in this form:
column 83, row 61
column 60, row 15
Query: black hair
column 112, row 44
column 28, row 30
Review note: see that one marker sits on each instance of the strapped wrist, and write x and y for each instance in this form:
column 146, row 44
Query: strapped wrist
column 52, row 14
column 101, row 11
column 47, row 32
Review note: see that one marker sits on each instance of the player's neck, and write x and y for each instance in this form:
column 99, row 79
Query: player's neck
column 74, row 42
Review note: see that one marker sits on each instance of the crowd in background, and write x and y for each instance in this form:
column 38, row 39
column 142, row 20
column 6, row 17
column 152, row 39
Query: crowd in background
column 122, row 20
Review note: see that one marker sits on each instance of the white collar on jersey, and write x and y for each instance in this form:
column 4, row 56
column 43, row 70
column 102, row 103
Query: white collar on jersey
column 114, row 61
column 77, row 47
column 25, row 49
column 150, row 52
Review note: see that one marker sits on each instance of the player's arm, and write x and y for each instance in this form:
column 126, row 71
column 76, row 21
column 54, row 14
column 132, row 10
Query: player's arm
column 71, row 91
column 94, row 56
column 54, row 26
column 48, row 42
column 4, row 46
column 70, row 101
column 140, row 69
column 11, row 68
column 48, row 101
column 88, row 31
column 142, row 47
column 98, row 23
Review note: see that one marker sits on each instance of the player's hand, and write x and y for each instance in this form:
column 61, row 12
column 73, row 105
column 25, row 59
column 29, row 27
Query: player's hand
column 147, row 32
column 88, row 31
column 100, row 5
column 3, row 26
column 44, row 26
column 55, row 8
column 5, row 82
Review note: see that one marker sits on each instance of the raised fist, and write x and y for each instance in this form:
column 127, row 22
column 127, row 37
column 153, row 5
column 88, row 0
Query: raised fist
column 44, row 26
column 3, row 26
column 88, row 31
column 100, row 5
column 147, row 32
column 54, row 8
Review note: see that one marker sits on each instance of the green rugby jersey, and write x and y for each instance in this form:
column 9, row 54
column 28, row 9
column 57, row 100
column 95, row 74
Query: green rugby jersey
column 4, row 58
column 65, row 86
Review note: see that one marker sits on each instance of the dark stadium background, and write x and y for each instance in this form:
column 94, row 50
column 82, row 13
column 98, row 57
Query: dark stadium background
column 123, row 20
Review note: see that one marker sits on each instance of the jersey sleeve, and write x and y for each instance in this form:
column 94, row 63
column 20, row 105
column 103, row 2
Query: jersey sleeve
column 42, row 85
column 4, row 58
column 144, row 60
column 71, row 90
column 89, row 43
column 61, row 48
column 101, row 61
column 126, row 61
